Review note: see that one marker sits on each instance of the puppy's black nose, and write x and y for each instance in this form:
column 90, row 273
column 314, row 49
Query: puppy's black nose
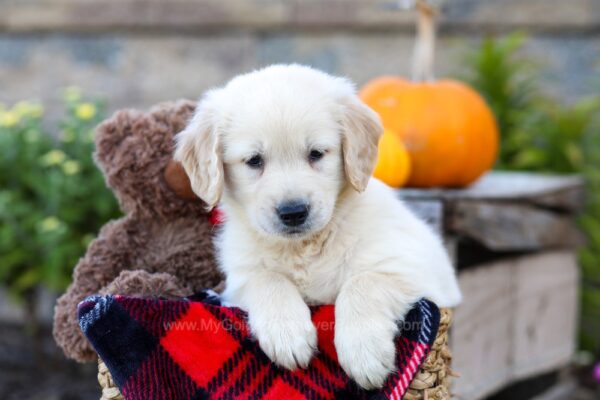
column 293, row 213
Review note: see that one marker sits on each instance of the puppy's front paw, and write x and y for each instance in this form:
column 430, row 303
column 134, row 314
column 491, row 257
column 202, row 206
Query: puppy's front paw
column 366, row 352
column 287, row 342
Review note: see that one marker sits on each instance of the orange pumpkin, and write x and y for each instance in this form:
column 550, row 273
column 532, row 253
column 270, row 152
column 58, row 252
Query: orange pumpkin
column 448, row 129
column 393, row 161
column 446, row 126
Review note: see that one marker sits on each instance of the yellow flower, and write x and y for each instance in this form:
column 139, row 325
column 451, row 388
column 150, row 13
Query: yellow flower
column 71, row 167
column 50, row 224
column 9, row 119
column 36, row 111
column 72, row 94
column 21, row 108
column 53, row 157
column 85, row 111
column 28, row 110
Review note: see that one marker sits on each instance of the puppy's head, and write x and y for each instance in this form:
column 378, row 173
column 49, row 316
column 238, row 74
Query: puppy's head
column 279, row 145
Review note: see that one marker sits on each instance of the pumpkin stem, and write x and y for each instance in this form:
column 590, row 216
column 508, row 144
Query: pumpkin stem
column 425, row 43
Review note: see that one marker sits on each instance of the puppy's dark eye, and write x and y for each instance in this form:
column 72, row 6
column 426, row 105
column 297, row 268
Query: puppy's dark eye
column 315, row 155
column 256, row 161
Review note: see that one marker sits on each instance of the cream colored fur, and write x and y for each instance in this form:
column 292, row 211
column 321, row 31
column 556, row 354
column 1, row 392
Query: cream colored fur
column 360, row 248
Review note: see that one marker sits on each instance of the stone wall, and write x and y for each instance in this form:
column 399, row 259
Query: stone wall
column 135, row 53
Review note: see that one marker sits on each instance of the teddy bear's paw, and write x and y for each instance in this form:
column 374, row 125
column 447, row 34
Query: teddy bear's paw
column 140, row 283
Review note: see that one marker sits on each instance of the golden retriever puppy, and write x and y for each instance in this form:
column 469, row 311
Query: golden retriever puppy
column 288, row 151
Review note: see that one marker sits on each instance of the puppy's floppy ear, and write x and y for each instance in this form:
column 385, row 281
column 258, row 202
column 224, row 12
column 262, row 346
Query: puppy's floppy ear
column 361, row 129
column 198, row 149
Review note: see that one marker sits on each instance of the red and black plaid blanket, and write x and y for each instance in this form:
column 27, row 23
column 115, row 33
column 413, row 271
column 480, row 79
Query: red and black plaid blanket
column 198, row 349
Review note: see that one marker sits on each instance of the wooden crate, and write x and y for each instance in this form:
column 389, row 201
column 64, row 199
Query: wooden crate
column 513, row 237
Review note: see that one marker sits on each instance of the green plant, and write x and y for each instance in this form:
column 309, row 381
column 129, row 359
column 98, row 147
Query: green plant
column 53, row 199
column 590, row 255
column 540, row 133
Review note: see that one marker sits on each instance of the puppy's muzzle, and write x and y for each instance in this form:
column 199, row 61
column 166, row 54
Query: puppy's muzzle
column 293, row 213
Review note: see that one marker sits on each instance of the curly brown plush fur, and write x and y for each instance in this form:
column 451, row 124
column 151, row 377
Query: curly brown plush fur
column 162, row 246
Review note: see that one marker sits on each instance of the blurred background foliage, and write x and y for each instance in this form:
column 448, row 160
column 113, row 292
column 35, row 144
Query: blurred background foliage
column 53, row 199
column 540, row 133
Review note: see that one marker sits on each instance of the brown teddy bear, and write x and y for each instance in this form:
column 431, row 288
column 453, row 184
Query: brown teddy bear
column 162, row 246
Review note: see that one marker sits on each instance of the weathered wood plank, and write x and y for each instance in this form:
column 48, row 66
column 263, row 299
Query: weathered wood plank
column 481, row 339
column 546, row 304
column 518, row 319
column 431, row 211
column 508, row 211
column 565, row 192
column 513, row 226
column 177, row 15
column 195, row 15
column 569, row 199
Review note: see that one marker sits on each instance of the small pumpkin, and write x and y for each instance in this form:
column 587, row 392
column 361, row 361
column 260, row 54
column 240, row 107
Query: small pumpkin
column 446, row 126
column 393, row 160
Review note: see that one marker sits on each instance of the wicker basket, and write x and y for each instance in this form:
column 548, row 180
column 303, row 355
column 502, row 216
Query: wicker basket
column 432, row 381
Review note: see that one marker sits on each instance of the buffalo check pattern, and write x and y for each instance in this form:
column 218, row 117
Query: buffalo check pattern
column 196, row 348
